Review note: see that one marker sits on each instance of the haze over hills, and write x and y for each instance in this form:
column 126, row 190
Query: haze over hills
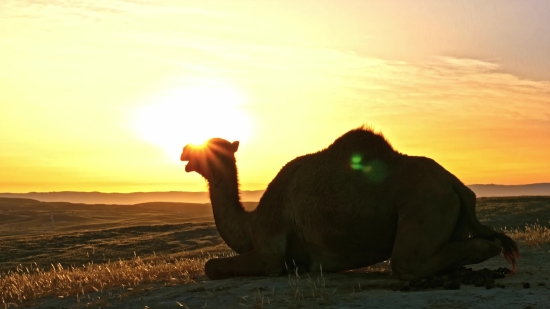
column 481, row 190
column 127, row 198
column 488, row 190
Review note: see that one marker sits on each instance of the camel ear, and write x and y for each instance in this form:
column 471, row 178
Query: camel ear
column 235, row 146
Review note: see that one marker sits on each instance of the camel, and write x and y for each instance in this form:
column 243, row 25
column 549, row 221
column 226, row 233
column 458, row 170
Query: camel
column 356, row 203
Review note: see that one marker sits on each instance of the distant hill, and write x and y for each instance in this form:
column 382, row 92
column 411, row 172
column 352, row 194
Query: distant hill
column 126, row 198
column 481, row 190
column 540, row 189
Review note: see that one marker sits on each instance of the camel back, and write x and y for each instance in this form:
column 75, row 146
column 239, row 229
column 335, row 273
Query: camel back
column 364, row 140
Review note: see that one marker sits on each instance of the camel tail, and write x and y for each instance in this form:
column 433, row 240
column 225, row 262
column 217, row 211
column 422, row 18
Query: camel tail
column 468, row 205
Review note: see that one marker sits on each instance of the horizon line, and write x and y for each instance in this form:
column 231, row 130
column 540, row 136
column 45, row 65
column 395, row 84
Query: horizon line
column 134, row 192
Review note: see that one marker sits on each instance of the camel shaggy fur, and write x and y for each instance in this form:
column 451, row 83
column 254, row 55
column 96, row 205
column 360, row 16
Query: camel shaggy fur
column 356, row 203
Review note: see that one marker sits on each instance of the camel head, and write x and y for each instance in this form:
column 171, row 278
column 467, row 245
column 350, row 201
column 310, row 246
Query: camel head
column 214, row 158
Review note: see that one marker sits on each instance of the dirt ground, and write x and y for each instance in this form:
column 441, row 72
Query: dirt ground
column 370, row 287
column 367, row 288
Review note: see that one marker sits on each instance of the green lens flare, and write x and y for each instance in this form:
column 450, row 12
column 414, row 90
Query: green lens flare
column 356, row 167
column 367, row 169
column 356, row 162
column 375, row 171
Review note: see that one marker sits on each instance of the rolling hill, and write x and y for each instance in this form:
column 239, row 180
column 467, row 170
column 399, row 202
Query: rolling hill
column 481, row 190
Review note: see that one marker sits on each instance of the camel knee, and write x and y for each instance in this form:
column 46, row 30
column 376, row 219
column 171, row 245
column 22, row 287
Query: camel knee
column 407, row 276
column 249, row 264
column 487, row 249
column 405, row 270
column 213, row 269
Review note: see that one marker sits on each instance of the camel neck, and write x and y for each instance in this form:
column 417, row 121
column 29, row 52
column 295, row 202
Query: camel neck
column 232, row 220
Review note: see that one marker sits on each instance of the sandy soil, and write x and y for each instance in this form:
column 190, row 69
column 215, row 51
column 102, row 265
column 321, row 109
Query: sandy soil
column 365, row 288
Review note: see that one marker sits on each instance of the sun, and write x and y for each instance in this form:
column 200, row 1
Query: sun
column 193, row 115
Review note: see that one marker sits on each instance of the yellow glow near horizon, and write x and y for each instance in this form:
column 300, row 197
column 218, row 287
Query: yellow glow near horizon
column 103, row 95
column 193, row 115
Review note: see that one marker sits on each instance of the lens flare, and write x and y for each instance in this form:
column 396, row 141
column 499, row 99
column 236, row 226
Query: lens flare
column 375, row 171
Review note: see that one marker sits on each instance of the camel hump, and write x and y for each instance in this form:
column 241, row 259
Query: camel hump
column 365, row 141
column 467, row 204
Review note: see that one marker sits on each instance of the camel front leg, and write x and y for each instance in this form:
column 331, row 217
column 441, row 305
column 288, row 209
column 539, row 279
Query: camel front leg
column 252, row 263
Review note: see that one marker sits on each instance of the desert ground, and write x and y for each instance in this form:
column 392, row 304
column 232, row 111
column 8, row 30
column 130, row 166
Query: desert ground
column 99, row 234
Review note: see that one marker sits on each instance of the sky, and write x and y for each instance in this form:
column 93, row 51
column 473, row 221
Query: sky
column 102, row 95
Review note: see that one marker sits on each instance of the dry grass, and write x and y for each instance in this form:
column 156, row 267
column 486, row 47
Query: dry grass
column 27, row 283
column 533, row 235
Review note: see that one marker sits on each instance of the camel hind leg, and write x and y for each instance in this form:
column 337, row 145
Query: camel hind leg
column 430, row 238
column 455, row 254
column 252, row 263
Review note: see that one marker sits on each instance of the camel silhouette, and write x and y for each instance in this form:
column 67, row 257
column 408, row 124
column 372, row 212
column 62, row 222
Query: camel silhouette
column 356, row 203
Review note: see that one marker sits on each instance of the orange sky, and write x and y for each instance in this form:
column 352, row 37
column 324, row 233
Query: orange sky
column 102, row 95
